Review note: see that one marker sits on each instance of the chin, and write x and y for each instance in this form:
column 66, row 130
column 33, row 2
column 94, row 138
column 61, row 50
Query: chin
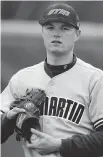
column 56, row 50
column 57, row 53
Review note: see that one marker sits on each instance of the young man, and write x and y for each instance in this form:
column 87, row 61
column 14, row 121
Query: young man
column 73, row 113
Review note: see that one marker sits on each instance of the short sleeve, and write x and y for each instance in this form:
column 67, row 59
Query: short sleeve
column 6, row 97
column 96, row 104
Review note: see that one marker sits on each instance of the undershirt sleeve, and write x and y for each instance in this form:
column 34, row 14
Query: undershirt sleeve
column 7, row 127
column 83, row 145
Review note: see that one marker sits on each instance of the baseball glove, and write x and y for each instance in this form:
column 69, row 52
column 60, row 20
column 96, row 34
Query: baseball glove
column 30, row 119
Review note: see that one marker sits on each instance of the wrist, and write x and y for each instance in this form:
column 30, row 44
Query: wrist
column 11, row 116
column 58, row 143
column 8, row 116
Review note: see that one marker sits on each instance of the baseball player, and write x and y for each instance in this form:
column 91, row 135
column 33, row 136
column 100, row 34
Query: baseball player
column 72, row 115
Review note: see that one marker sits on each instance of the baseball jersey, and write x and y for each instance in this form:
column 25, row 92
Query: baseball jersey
column 74, row 101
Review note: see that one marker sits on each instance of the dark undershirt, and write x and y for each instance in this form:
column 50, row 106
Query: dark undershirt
column 53, row 70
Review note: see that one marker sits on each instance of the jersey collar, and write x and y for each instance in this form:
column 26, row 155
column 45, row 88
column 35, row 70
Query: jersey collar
column 53, row 70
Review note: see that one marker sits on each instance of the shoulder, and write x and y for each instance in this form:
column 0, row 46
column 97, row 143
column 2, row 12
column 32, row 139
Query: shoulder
column 35, row 67
column 89, row 73
column 88, row 68
column 28, row 71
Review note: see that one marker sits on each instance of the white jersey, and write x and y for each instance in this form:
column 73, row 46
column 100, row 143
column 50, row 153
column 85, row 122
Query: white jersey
column 74, row 102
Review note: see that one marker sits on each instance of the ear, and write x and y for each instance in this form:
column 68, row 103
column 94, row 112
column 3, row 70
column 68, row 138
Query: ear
column 42, row 31
column 77, row 34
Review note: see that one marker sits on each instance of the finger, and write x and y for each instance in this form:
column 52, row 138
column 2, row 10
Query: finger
column 18, row 110
column 33, row 138
column 33, row 145
column 40, row 151
column 12, row 113
column 30, row 145
column 36, row 132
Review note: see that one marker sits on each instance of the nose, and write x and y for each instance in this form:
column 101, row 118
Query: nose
column 56, row 33
column 56, row 36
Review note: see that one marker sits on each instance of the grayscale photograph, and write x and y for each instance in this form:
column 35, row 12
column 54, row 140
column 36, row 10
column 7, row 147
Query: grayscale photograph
column 51, row 101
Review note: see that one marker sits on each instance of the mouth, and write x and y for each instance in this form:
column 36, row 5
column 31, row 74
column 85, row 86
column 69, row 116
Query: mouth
column 56, row 41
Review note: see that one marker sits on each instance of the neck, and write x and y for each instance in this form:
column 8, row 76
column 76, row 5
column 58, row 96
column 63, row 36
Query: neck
column 59, row 59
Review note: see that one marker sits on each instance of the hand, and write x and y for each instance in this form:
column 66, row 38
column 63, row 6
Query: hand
column 29, row 152
column 43, row 143
column 12, row 113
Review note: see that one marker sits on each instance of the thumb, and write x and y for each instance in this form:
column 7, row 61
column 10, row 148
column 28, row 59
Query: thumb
column 36, row 132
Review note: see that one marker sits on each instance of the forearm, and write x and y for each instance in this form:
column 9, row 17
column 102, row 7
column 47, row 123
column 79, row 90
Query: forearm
column 83, row 145
column 7, row 127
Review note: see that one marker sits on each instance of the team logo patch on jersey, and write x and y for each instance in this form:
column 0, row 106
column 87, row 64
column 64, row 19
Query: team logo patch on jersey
column 29, row 105
column 59, row 11
column 64, row 108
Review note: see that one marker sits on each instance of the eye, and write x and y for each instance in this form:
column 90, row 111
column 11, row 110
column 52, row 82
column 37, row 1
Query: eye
column 66, row 28
column 49, row 27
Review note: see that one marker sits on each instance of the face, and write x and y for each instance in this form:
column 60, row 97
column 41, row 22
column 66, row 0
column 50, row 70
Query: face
column 59, row 37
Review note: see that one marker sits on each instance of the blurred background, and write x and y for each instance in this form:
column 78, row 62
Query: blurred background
column 22, row 44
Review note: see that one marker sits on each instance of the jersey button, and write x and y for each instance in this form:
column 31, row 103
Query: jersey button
column 51, row 83
column 47, row 122
column 51, row 92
